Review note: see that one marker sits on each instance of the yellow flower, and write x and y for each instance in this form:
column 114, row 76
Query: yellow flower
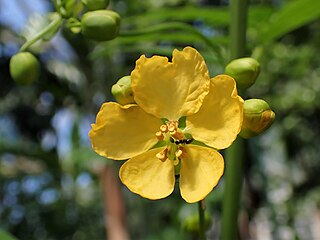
column 165, row 92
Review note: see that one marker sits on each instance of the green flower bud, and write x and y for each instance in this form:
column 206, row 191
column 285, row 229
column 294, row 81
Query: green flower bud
column 122, row 91
column 244, row 70
column 74, row 25
column 24, row 68
column 114, row 15
column 257, row 117
column 100, row 25
column 95, row 4
column 191, row 223
column 67, row 8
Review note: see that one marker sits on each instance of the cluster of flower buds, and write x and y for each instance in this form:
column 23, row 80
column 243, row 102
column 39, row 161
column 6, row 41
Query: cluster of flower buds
column 87, row 16
column 257, row 114
column 96, row 22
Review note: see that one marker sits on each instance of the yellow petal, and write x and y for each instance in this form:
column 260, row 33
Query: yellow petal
column 171, row 89
column 121, row 132
column 200, row 172
column 147, row 176
column 219, row 119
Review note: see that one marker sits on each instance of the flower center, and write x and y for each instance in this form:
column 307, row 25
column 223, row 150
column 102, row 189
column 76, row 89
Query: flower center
column 175, row 140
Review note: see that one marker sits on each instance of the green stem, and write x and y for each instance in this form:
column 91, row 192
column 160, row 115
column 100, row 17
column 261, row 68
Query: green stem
column 235, row 155
column 201, row 210
column 258, row 52
column 233, row 183
column 174, row 25
column 238, row 28
column 53, row 25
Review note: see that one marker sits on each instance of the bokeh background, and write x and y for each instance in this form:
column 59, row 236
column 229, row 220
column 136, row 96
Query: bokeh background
column 53, row 186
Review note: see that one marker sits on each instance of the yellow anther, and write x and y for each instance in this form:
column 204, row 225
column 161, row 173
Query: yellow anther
column 172, row 125
column 159, row 135
column 181, row 153
column 164, row 128
column 162, row 155
column 178, row 153
column 171, row 128
column 173, row 133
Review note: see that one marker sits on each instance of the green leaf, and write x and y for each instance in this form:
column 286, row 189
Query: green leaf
column 217, row 16
column 182, row 122
column 292, row 16
column 172, row 36
column 187, row 28
column 6, row 236
column 164, row 120
column 159, row 144
column 258, row 15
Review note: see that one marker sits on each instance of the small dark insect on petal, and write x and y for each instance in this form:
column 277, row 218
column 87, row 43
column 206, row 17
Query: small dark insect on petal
column 182, row 141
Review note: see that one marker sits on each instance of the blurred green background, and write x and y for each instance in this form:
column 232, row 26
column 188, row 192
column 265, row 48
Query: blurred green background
column 51, row 182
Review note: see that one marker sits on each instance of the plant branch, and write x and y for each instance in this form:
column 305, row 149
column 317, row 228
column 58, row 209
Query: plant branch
column 201, row 210
column 53, row 25
column 235, row 155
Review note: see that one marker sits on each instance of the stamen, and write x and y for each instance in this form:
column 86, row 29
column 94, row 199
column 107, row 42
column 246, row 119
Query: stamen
column 171, row 128
column 176, row 123
column 159, row 135
column 181, row 153
column 177, row 135
column 162, row 155
column 164, row 128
